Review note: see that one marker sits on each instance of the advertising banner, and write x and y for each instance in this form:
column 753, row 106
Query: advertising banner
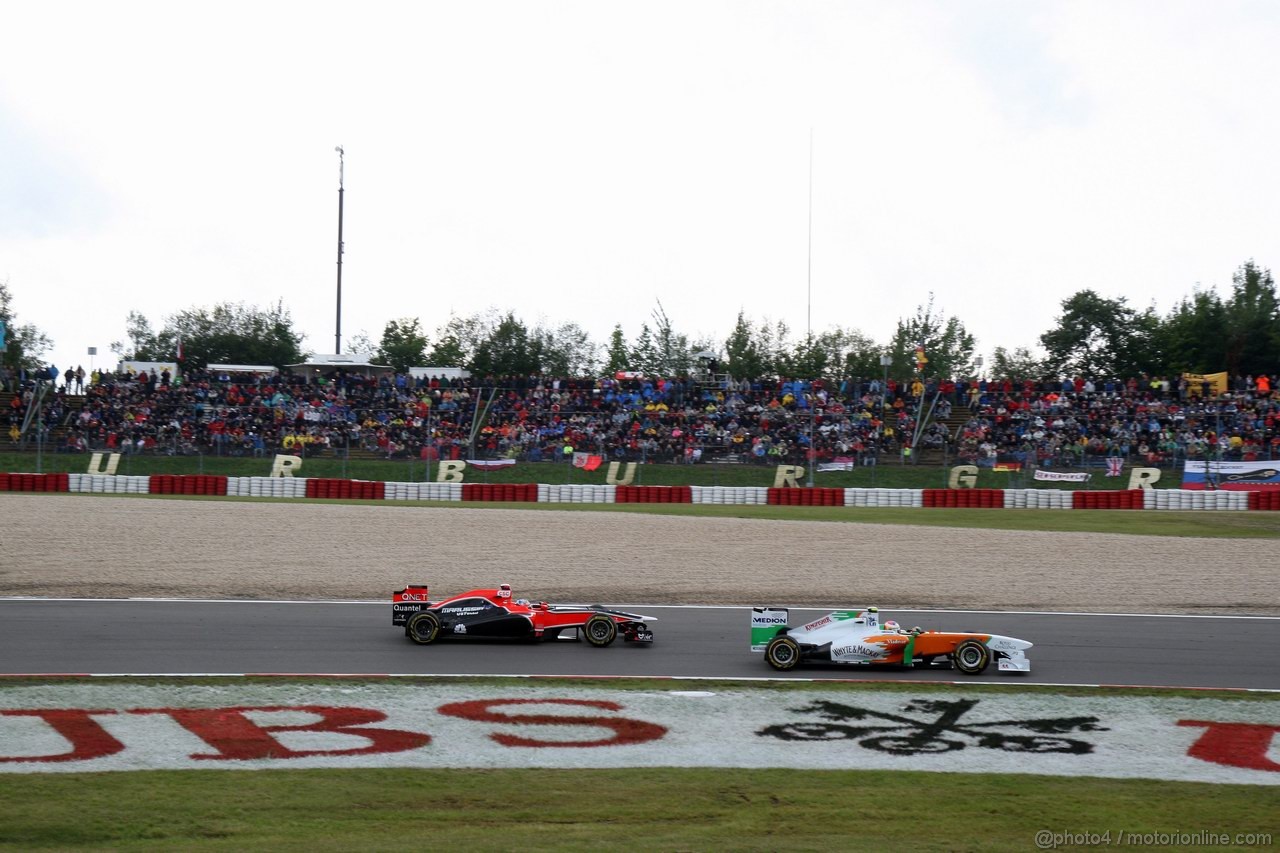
column 1232, row 476
column 1062, row 477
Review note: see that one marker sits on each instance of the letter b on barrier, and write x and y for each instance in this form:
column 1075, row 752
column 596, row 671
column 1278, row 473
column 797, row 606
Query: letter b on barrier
column 450, row 471
column 963, row 477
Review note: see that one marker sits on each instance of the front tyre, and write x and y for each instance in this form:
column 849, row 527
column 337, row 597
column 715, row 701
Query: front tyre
column 971, row 657
column 600, row 630
column 782, row 653
column 423, row 628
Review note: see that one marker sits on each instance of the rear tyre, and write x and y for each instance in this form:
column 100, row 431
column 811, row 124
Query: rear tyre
column 782, row 653
column 600, row 630
column 971, row 657
column 423, row 627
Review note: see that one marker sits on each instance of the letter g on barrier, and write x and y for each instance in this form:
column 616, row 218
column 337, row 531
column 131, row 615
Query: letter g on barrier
column 963, row 477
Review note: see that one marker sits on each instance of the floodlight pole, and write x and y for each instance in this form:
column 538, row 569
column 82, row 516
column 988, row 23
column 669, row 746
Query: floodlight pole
column 337, row 333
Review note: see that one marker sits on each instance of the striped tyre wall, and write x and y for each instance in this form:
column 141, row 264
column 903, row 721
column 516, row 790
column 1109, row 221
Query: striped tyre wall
column 884, row 497
column 342, row 489
column 654, row 494
column 1037, row 499
column 187, row 484
column 750, row 495
column 1264, row 500
column 363, row 490
column 567, row 494
column 35, row 482
column 505, row 492
column 983, row 498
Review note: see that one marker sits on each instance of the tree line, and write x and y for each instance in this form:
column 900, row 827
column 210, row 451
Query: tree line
column 1094, row 335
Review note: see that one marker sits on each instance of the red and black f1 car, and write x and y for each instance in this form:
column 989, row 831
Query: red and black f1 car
column 494, row 614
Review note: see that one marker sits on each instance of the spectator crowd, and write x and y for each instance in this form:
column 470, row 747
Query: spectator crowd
column 1064, row 423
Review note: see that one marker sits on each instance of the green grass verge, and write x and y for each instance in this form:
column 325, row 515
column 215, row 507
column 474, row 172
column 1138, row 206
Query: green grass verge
column 647, row 809
column 885, row 476
column 654, row 808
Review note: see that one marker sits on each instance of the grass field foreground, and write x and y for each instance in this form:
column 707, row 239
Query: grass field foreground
column 650, row 809
column 662, row 809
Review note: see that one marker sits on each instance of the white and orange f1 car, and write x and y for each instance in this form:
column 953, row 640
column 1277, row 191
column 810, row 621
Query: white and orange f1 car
column 859, row 637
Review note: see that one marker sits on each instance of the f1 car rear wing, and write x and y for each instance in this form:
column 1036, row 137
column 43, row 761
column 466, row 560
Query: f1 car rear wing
column 767, row 622
column 404, row 602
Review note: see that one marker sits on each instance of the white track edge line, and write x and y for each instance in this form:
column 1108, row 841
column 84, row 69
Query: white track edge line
column 32, row 598
column 338, row 676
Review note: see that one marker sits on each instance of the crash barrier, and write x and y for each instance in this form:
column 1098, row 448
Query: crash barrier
column 266, row 487
column 361, row 490
column 806, row 497
column 187, row 484
column 564, row 493
column 35, row 482
column 1119, row 499
column 1037, row 499
column 526, row 492
column 884, row 497
column 1179, row 499
column 424, row 491
column 110, row 484
column 965, row 498
column 737, row 495
column 1263, row 500
column 654, row 495
column 299, row 487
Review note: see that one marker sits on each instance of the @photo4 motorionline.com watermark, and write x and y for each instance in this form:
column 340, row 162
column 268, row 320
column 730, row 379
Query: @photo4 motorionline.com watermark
column 1047, row 839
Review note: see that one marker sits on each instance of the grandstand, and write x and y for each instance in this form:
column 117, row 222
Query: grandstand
column 253, row 410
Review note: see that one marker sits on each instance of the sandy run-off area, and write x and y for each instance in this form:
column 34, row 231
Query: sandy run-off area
column 116, row 547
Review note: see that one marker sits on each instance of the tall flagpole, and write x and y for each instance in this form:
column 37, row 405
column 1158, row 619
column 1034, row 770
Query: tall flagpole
column 337, row 332
column 808, row 320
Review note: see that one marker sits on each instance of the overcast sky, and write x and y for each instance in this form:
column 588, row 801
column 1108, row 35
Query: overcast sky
column 584, row 161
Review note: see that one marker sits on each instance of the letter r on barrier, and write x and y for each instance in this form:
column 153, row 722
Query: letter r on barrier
column 284, row 465
column 788, row 476
column 963, row 477
column 1143, row 478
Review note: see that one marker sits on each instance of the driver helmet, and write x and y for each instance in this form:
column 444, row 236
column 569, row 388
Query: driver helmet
column 890, row 625
column 523, row 602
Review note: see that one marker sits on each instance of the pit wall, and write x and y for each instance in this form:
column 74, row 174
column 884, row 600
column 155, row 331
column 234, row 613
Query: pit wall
column 330, row 488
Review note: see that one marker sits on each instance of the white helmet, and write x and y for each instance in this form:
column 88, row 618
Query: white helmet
column 891, row 626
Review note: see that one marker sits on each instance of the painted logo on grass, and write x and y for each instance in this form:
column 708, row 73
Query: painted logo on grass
column 929, row 726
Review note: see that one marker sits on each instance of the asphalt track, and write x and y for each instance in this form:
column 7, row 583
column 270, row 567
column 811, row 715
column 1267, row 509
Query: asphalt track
column 100, row 637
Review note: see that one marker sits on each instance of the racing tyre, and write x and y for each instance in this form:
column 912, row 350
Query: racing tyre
column 971, row 657
column 782, row 653
column 600, row 630
column 423, row 628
